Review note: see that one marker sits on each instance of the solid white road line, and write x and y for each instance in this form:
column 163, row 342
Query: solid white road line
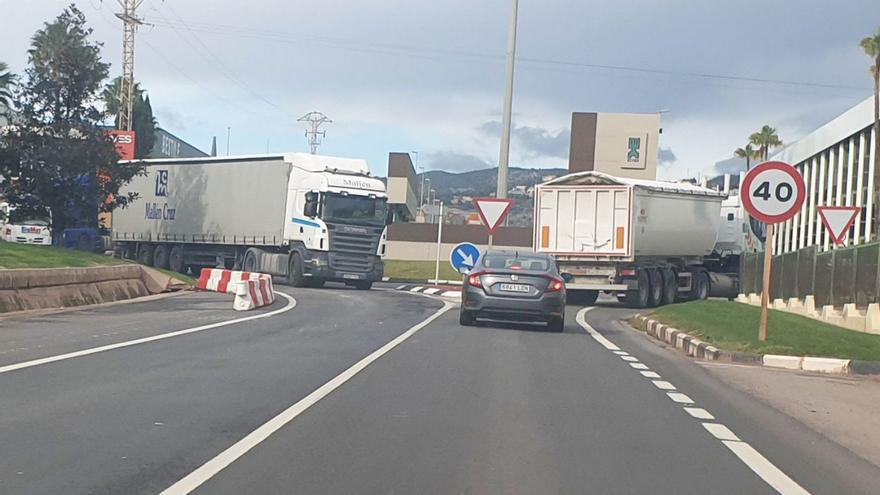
column 720, row 431
column 662, row 385
column 582, row 321
column 649, row 374
column 765, row 469
column 119, row 345
column 196, row 478
column 680, row 398
column 639, row 366
column 699, row 413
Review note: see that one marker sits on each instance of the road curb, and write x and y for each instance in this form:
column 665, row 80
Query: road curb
column 430, row 290
column 696, row 348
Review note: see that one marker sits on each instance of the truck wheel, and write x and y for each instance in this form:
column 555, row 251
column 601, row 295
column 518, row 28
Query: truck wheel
column 639, row 298
column 145, row 254
column 160, row 256
column 295, row 271
column 363, row 285
column 175, row 259
column 250, row 261
column 655, row 293
column 700, row 289
column 670, row 286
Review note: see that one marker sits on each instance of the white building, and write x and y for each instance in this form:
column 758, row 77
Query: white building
column 837, row 163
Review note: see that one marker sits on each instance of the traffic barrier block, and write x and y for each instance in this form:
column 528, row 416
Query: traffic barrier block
column 810, row 306
column 853, row 318
column 872, row 318
column 795, row 306
column 251, row 290
column 742, row 298
column 251, row 294
column 826, row 365
column 787, row 362
column 830, row 315
column 779, row 304
column 755, row 299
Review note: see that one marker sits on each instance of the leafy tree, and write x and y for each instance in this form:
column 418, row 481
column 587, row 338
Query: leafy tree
column 143, row 122
column 871, row 45
column 749, row 153
column 7, row 80
column 765, row 139
column 59, row 161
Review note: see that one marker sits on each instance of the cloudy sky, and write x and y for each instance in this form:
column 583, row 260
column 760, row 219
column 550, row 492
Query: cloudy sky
column 428, row 76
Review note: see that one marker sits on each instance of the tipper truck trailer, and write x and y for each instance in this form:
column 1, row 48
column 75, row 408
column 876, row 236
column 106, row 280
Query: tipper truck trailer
column 307, row 218
column 647, row 242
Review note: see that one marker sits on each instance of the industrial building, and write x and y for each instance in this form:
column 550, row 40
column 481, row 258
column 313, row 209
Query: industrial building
column 837, row 163
column 621, row 144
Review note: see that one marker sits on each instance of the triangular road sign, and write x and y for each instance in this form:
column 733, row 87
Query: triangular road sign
column 838, row 220
column 493, row 211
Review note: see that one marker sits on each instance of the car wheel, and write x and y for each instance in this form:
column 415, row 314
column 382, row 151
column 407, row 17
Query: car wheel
column 556, row 324
column 639, row 298
column 295, row 271
column 466, row 318
column 655, row 292
column 160, row 256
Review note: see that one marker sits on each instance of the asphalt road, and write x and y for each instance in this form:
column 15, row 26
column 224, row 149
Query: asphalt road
column 481, row 410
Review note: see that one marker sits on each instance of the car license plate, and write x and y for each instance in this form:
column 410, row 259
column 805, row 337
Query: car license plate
column 351, row 276
column 514, row 288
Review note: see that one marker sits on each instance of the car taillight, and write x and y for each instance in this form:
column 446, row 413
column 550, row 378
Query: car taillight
column 556, row 285
column 474, row 280
column 627, row 272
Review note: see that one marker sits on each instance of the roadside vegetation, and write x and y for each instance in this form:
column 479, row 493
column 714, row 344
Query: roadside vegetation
column 732, row 326
column 419, row 270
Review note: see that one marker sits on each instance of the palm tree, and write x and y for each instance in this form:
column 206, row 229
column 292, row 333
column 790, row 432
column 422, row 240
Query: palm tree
column 7, row 79
column 748, row 152
column 765, row 139
column 871, row 45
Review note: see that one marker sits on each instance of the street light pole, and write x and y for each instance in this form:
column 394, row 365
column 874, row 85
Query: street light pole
column 504, row 158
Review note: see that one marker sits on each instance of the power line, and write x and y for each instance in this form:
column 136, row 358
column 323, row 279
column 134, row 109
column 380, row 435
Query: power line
column 412, row 50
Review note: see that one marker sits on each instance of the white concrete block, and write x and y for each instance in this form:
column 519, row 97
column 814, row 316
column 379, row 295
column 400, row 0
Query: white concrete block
column 742, row 298
column 853, row 319
column 787, row 362
column 830, row 315
column 826, row 365
column 778, row 304
column 795, row 305
column 810, row 306
column 755, row 299
column 872, row 318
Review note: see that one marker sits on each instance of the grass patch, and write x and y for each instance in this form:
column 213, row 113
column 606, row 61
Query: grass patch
column 419, row 270
column 22, row 256
column 734, row 327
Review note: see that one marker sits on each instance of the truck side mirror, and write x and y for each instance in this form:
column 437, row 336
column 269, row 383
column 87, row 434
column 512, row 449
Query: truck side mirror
column 311, row 207
column 567, row 277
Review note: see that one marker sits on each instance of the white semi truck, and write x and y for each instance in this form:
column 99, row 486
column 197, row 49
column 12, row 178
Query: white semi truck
column 647, row 242
column 307, row 218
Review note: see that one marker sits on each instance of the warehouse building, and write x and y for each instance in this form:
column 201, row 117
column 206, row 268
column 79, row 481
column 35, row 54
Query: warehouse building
column 837, row 163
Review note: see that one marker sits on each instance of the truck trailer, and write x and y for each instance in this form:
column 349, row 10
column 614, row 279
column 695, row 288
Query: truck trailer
column 307, row 218
column 646, row 242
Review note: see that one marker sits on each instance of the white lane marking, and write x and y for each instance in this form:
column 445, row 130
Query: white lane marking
column 765, row 469
column 772, row 475
column 631, row 359
column 680, row 398
column 720, row 431
column 205, row 472
column 431, row 291
column 401, row 287
column 94, row 350
column 662, row 385
column 416, row 289
column 699, row 413
column 621, row 353
column 582, row 321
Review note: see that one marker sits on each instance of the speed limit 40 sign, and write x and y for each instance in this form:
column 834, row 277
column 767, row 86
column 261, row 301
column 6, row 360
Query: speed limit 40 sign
column 773, row 192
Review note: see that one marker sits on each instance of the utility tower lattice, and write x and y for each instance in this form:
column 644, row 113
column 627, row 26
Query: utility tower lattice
column 130, row 23
column 315, row 119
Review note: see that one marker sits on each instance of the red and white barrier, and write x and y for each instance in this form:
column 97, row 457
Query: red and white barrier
column 251, row 290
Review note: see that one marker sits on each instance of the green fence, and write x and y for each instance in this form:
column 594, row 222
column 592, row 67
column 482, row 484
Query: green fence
column 837, row 277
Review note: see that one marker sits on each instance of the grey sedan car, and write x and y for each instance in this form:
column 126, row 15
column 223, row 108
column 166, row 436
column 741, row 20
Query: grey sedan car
column 514, row 286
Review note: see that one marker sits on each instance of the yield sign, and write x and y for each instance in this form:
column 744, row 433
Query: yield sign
column 838, row 220
column 493, row 211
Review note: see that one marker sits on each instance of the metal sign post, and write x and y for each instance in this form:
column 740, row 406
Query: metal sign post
column 772, row 192
column 439, row 237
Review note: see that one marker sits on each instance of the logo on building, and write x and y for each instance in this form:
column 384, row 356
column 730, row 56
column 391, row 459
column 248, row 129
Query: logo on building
column 162, row 183
column 635, row 144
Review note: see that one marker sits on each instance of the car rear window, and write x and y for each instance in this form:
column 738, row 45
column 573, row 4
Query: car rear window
column 516, row 263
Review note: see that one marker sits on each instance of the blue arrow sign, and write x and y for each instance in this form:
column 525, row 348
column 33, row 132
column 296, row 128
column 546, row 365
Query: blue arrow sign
column 464, row 257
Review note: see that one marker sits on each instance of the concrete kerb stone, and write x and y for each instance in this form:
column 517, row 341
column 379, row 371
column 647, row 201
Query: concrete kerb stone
column 694, row 347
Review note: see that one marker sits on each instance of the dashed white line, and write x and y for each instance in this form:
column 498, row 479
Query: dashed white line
column 649, row 374
column 631, row 359
column 765, row 469
column 663, row 385
column 680, row 398
column 639, row 366
column 94, row 350
column 699, row 413
column 416, row 289
column 205, row 472
column 431, row 291
column 720, row 431
column 621, row 353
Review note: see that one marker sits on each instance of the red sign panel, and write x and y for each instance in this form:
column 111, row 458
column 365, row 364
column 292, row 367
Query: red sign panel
column 126, row 143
